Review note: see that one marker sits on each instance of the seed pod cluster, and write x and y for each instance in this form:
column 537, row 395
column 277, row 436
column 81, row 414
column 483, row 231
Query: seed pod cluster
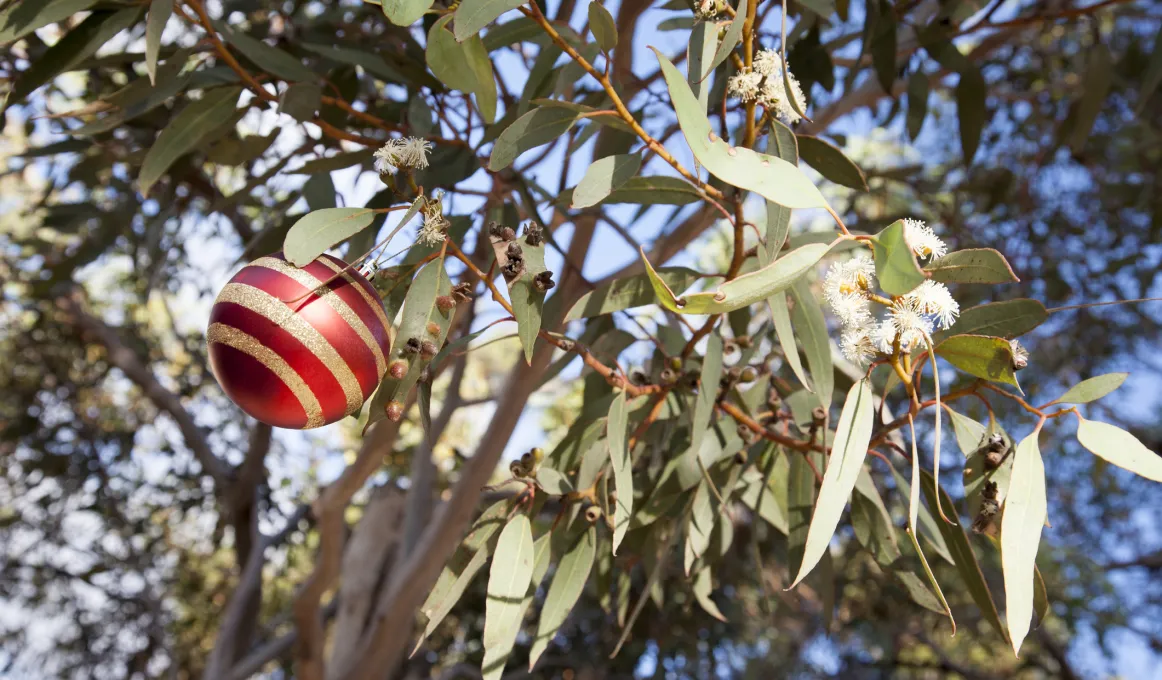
column 543, row 281
column 990, row 508
column 462, row 292
column 534, row 234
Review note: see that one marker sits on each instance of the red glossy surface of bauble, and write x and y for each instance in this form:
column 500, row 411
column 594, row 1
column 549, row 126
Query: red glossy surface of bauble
column 301, row 364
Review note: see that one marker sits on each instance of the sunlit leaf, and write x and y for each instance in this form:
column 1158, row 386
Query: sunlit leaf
column 896, row 267
column 537, row 127
column 699, row 53
column 1120, row 448
column 688, row 471
column 629, row 293
column 980, row 355
column 729, row 41
column 1022, row 519
column 773, row 178
column 622, row 465
column 568, row 583
column 604, row 176
column 852, row 435
column 159, row 14
column 405, row 12
column 18, row 19
column 603, row 27
column 316, row 232
column 1008, row 319
column 704, row 585
column 972, row 265
column 509, row 580
column 1092, row 389
column 743, row 291
column 473, row 15
column 811, row 329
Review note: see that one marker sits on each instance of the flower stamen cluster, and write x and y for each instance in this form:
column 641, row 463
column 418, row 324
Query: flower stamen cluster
column 763, row 82
column 435, row 226
column 402, row 152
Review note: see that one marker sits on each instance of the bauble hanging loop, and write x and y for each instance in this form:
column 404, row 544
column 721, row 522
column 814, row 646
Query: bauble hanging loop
column 292, row 352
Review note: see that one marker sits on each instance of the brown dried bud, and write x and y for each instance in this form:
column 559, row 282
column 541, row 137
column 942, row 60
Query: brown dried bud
column 740, row 458
column 566, row 344
column 462, row 292
column 527, row 461
column 514, row 250
column 513, row 269
column 592, row 514
column 398, row 369
column 428, row 350
column 412, row 346
column 774, row 400
column 989, row 490
column 543, row 282
column 494, row 229
column 394, row 411
column 748, row 374
column 748, row 435
column 668, row 376
column 692, row 380
column 744, row 341
column 818, row 416
column 996, row 442
column 445, row 303
column 638, row 378
column 993, row 459
column 989, row 509
column 507, row 234
column 534, row 234
column 517, row 469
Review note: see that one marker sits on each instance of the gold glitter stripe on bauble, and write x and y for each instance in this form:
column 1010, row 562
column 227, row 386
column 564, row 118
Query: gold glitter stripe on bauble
column 276, row 311
column 333, row 300
column 376, row 303
column 249, row 345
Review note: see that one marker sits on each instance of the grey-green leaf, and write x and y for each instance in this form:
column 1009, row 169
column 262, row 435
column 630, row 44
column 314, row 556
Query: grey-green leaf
column 19, row 19
column 729, row 41
column 159, row 14
column 473, row 15
column 568, row 583
column 773, row 178
column 703, row 44
column 972, row 265
column 317, row 231
column 405, row 12
column 896, row 266
column 506, row 628
column 970, row 111
column 604, row 176
column 1094, row 89
column 811, row 327
column 603, row 27
column 537, row 127
column 918, row 87
column 743, row 291
column 269, row 59
column 1008, row 319
column 300, row 101
column 622, row 464
column 688, row 470
column 831, row 162
column 1092, row 389
column 649, row 190
column 1021, row 523
column 508, row 580
column 629, row 293
column 1120, row 448
column 186, row 131
column 782, row 143
column 852, row 435
column 980, row 355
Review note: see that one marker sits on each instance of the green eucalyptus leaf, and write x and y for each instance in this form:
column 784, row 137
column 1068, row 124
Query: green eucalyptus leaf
column 832, row 163
column 18, row 19
column 270, row 59
column 743, row 291
column 528, row 303
column 1095, row 87
column 973, row 265
column 629, row 292
column 711, row 373
column 703, row 586
column 811, row 328
column 781, row 143
column 918, row 88
column 700, row 52
column 622, row 465
column 473, row 15
column 1008, row 319
column 1119, row 447
column 186, row 131
column 730, row 40
column 537, row 127
column 510, row 580
column 896, row 267
column 852, row 435
column 301, row 101
column 1092, row 389
column 159, row 13
column 980, row 355
column 316, row 232
column 883, row 44
column 1022, row 519
column 649, row 190
column 970, row 110
column 568, row 583
column 602, row 25
column 603, row 177
column 405, row 12
column 773, row 178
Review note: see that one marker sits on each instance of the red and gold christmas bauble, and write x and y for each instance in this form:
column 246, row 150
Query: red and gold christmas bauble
column 292, row 352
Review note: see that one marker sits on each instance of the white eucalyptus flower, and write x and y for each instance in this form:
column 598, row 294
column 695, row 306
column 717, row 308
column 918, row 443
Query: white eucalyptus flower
column 768, row 63
column 924, row 241
column 884, row 335
column 932, row 297
column 706, row 9
column 910, row 323
column 774, row 94
column 745, row 86
column 402, row 152
column 1020, row 355
column 857, row 346
column 435, row 225
column 846, row 289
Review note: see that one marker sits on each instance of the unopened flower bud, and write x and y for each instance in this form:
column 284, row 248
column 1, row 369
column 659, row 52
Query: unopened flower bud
column 668, row 376
column 993, row 459
column 494, row 229
column 394, row 411
column 538, row 455
column 744, row 341
column 527, row 461
column 748, row 374
column 398, row 369
column 818, row 416
column 433, row 328
column 445, row 303
column 517, row 469
column 507, row 234
column 462, row 292
column 676, row 363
